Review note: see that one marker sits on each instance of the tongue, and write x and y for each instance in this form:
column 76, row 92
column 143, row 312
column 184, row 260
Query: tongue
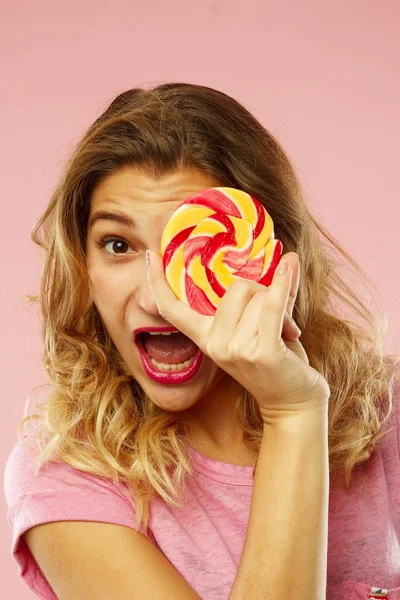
column 171, row 349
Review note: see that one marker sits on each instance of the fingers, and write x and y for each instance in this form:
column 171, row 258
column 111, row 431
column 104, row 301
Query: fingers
column 246, row 305
column 294, row 288
column 272, row 312
column 263, row 317
column 249, row 324
column 230, row 310
column 250, row 321
column 290, row 329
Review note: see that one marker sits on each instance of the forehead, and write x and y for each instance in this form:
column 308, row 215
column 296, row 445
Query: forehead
column 131, row 185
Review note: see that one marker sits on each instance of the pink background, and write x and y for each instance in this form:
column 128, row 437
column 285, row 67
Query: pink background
column 322, row 76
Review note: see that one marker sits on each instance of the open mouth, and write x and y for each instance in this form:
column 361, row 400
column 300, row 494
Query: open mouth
column 168, row 351
column 168, row 358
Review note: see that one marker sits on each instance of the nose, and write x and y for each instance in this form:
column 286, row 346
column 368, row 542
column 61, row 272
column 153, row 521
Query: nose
column 145, row 299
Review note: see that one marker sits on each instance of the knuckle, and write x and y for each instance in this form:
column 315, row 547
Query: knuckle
column 274, row 305
column 239, row 351
column 234, row 349
column 241, row 283
column 262, row 293
column 214, row 350
column 239, row 286
column 272, row 356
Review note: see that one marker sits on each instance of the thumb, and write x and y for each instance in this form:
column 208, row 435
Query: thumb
column 152, row 273
column 176, row 312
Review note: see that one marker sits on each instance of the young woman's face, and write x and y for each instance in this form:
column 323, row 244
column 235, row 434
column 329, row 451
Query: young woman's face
column 117, row 271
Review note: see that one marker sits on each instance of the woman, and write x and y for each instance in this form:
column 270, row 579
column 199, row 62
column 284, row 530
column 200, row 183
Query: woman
column 147, row 488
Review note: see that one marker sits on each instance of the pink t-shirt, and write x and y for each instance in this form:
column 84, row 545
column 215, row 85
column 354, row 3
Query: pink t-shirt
column 204, row 540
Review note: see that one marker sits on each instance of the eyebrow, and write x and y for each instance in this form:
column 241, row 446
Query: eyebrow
column 121, row 218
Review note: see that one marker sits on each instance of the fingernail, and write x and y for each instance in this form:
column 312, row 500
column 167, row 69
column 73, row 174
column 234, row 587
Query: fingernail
column 148, row 257
column 283, row 266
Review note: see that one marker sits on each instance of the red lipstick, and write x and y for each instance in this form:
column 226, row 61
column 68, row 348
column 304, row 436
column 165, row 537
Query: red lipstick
column 166, row 377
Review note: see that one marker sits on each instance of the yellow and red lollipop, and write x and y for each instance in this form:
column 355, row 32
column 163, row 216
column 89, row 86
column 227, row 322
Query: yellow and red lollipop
column 214, row 237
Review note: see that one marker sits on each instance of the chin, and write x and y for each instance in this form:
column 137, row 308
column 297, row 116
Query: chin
column 173, row 400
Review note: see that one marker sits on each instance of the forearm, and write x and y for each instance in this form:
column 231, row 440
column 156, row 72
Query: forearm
column 285, row 549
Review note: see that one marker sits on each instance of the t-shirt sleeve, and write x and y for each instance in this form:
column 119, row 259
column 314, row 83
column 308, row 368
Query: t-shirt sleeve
column 58, row 492
column 396, row 401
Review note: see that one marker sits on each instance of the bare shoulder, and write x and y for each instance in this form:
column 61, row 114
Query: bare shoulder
column 87, row 560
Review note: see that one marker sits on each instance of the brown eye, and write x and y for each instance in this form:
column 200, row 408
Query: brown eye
column 117, row 245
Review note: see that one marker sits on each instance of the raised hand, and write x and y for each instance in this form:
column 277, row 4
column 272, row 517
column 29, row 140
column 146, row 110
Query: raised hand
column 245, row 339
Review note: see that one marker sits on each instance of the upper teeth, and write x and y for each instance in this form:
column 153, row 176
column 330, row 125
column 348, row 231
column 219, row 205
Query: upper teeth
column 161, row 332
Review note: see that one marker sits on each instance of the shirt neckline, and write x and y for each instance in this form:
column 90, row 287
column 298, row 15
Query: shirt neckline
column 221, row 471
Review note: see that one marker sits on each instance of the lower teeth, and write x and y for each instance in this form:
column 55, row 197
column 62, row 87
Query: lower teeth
column 171, row 367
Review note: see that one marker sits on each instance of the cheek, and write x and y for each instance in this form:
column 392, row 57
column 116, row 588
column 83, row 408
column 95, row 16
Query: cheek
column 103, row 287
column 111, row 291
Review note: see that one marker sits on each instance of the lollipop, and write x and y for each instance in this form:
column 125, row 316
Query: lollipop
column 216, row 236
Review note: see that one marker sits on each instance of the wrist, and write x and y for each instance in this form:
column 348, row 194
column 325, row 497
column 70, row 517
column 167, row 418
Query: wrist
column 311, row 415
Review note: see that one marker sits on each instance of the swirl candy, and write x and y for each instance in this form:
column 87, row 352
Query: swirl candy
column 214, row 237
